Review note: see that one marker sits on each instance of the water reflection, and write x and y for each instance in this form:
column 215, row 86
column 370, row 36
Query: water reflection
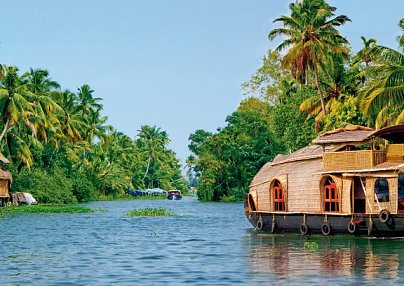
column 314, row 258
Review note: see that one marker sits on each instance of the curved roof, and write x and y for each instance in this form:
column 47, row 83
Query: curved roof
column 6, row 175
column 353, row 134
column 394, row 134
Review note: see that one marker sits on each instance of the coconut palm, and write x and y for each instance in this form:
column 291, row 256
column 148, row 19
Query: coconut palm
column 311, row 38
column 45, row 108
column 72, row 122
column 383, row 97
column 365, row 55
column 86, row 101
column 152, row 140
column 13, row 101
column 97, row 127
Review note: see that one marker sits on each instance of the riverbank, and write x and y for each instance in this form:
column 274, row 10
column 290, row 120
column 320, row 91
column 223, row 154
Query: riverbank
column 31, row 209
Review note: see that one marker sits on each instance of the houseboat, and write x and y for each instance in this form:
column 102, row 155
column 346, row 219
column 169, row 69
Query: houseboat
column 349, row 180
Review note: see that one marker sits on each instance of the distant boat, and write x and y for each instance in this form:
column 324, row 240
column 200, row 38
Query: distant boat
column 174, row 195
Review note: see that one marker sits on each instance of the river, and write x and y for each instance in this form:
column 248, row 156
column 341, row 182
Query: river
column 206, row 244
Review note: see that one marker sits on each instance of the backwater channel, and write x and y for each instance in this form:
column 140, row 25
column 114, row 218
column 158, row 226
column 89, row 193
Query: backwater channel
column 206, row 244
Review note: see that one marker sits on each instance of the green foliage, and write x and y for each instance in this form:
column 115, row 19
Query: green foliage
column 83, row 189
column 346, row 114
column 150, row 212
column 229, row 159
column 290, row 126
column 310, row 245
column 46, row 187
column 39, row 209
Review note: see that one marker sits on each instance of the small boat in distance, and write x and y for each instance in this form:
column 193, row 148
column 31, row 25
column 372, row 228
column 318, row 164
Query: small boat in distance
column 174, row 195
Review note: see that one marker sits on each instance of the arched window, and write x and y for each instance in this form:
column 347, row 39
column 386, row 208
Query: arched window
column 279, row 197
column 331, row 200
column 382, row 190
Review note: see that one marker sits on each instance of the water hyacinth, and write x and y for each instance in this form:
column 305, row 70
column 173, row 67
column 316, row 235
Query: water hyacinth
column 150, row 212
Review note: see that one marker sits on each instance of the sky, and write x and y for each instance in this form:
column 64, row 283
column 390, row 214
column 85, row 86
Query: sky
column 174, row 64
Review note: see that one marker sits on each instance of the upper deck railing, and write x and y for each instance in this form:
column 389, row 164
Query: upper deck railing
column 351, row 160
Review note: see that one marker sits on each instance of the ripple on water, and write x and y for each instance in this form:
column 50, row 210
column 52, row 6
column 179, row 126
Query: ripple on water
column 212, row 244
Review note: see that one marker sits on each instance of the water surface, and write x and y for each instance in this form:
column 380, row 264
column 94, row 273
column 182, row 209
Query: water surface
column 207, row 244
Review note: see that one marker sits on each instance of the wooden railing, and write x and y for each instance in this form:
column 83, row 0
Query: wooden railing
column 395, row 153
column 351, row 160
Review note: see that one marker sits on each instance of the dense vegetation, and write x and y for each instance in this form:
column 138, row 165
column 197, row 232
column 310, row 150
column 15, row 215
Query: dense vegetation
column 316, row 85
column 62, row 150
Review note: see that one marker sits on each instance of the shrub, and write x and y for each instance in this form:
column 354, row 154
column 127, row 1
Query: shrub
column 46, row 187
column 83, row 188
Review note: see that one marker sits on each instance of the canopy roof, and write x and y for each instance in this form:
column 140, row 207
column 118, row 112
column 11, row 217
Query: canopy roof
column 394, row 134
column 5, row 175
column 353, row 134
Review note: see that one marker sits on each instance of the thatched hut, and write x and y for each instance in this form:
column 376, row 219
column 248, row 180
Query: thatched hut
column 5, row 181
column 341, row 183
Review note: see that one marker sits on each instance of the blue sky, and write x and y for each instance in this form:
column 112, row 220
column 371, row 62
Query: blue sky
column 176, row 64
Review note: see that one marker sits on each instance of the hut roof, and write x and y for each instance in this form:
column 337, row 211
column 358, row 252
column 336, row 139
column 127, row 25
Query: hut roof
column 283, row 164
column 305, row 153
column 6, row 175
column 394, row 134
column 353, row 134
column 4, row 160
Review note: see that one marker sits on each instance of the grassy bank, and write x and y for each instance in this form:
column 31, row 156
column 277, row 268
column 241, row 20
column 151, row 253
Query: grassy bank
column 27, row 209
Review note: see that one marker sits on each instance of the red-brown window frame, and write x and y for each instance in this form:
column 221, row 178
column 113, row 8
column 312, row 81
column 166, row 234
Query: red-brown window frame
column 279, row 197
column 331, row 199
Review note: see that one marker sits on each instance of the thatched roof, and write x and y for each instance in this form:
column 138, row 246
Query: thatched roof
column 394, row 134
column 305, row 153
column 306, row 160
column 270, row 170
column 4, row 160
column 5, row 175
column 353, row 134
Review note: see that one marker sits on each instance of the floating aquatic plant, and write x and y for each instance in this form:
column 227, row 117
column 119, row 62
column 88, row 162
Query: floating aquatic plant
column 37, row 209
column 150, row 212
column 311, row 245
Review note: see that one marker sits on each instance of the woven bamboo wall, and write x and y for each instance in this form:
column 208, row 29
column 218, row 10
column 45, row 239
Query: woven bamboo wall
column 300, row 183
column 391, row 205
column 263, row 197
column 350, row 160
column 4, row 189
column 346, row 206
column 395, row 153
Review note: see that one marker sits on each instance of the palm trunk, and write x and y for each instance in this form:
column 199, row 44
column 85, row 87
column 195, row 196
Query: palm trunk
column 147, row 169
column 4, row 129
column 320, row 93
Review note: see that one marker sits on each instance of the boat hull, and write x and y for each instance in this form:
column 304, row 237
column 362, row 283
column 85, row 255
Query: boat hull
column 327, row 224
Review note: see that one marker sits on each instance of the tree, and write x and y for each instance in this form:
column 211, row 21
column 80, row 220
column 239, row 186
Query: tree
column 383, row 97
column 45, row 108
column 311, row 37
column 86, row 102
column 152, row 140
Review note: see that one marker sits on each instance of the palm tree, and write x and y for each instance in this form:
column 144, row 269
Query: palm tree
column 13, row 101
column 383, row 98
column 86, row 101
column 45, row 108
column 72, row 122
column 364, row 55
column 311, row 37
column 152, row 140
column 97, row 127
